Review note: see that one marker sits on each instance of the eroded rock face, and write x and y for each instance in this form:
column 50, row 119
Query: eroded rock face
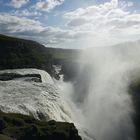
column 21, row 127
column 134, row 90
column 27, row 77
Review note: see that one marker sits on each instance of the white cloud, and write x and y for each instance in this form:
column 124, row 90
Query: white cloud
column 105, row 24
column 26, row 13
column 125, row 4
column 129, row 4
column 47, row 5
column 96, row 25
column 33, row 29
column 18, row 3
column 15, row 24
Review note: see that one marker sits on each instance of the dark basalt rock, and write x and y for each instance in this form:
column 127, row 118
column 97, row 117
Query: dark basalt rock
column 22, row 127
column 12, row 76
column 134, row 90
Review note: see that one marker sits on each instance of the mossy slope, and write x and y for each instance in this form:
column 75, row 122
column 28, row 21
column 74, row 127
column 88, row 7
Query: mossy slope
column 22, row 127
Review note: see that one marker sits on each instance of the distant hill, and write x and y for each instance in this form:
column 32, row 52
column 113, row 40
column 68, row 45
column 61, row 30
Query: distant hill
column 21, row 53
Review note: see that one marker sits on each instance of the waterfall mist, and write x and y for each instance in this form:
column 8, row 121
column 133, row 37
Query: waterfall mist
column 101, row 91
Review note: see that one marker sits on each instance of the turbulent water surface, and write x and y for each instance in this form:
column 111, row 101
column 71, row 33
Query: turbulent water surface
column 42, row 100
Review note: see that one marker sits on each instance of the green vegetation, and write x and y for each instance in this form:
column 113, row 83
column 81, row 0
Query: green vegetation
column 22, row 127
column 21, row 53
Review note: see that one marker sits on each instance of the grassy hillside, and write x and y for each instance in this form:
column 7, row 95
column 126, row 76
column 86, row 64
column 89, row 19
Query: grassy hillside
column 21, row 53
column 22, row 127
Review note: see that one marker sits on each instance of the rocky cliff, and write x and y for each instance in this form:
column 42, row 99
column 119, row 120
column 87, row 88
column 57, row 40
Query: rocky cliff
column 22, row 127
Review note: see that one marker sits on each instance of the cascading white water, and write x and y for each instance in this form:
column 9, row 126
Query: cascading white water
column 101, row 92
column 42, row 100
column 108, row 106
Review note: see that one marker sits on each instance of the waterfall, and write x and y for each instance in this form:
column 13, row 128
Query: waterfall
column 101, row 91
column 42, row 100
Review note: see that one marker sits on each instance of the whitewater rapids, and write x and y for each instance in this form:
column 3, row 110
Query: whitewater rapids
column 42, row 100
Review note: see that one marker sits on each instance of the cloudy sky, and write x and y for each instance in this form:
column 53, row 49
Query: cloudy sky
column 72, row 23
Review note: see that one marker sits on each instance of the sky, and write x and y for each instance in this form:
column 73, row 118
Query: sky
column 72, row 23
